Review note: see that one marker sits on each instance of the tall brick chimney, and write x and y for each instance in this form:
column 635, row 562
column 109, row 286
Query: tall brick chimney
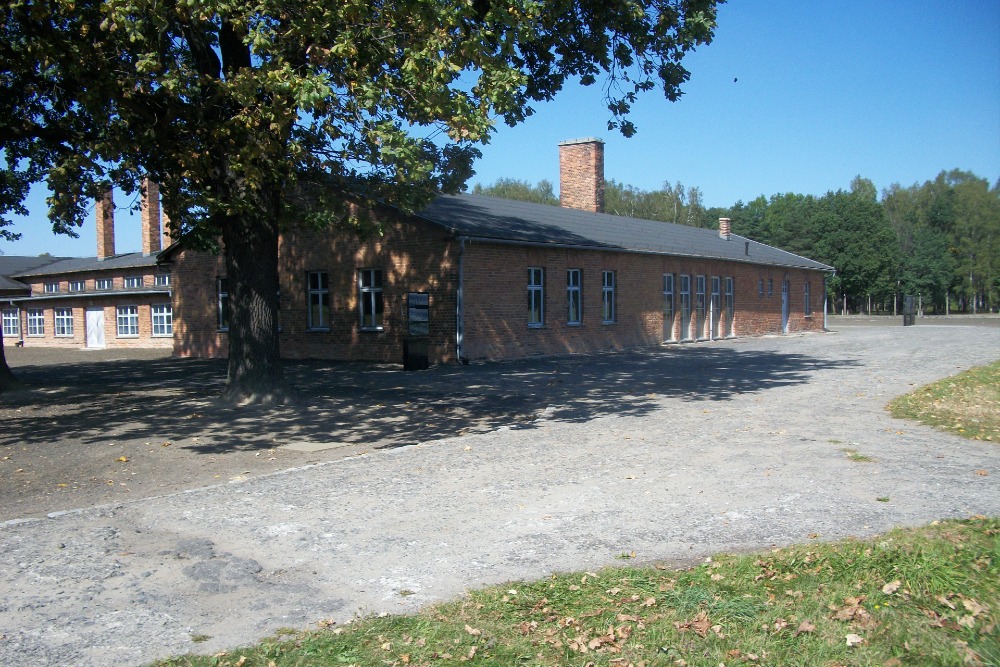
column 581, row 174
column 725, row 229
column 104, row 209
column 150, row 217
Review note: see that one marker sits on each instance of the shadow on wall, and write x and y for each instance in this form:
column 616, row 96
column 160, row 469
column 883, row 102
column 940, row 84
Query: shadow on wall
column 381, row 405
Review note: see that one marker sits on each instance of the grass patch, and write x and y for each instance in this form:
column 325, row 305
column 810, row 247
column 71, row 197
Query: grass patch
column 967, row 404
column 856, row 456
column 926, row 596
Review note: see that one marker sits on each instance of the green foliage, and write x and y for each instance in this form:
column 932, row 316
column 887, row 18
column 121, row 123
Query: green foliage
column 509, row 188
column 671, row 203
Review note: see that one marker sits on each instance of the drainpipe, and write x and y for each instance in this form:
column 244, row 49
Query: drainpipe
column 825, row 305
column 460, row 304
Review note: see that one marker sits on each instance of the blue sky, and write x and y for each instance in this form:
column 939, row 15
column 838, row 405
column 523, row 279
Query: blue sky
column 824, row 90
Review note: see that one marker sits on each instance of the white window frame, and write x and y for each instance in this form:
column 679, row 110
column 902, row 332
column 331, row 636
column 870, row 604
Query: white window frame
column 715, row 303
column 104, row 284
column 51, row 288
column 730, row 315
column 371, row 303
column 536, row 297
column 36, row 322
column 685, row 306
column 11, row 322
column 807, row 305
column 222, row 303
column 127, row 321
column 62, row 320
column 161, row 280
column 668, row 304
column 132, row 282
column 318, row 300
column 77, row 285
column 608, row 309
column 700, row 306
column 161, row 317
column 574, row 297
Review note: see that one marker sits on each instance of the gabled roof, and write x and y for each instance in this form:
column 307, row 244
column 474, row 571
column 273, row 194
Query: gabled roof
column 80, row 264
column 491, row 219
column 13, row 265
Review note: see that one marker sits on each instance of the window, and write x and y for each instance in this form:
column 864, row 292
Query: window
column 699, row 307
column 807, row 304
column 222, row 286
column 319, row 300
column 104, row 284
column 11, row 322
column 770, row 287
column 36, row 322
column 608, row 296
column 686, row 307
column 64, row 321
column 760, row 287
column 77, row 285
column 716, row 304
column 161, row 279
column 128, row 320
column 51, row 288
column 536, row 297
column 372, row 306
column 728, row 322
column 163, row 320
column 574, row 297
column 668, row 306
column 133, row 281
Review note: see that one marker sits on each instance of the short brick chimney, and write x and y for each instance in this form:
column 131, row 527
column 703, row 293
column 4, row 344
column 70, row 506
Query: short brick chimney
column 104, row 210
column 725, row 230
column 151, row 242
column 581, row 174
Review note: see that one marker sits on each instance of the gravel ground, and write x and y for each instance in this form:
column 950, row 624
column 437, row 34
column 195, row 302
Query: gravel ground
column 564, row 464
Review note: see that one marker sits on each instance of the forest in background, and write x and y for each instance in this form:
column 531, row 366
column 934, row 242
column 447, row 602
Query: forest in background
column 939, row 240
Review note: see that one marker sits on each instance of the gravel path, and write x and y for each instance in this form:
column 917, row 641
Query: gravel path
column 702, row 449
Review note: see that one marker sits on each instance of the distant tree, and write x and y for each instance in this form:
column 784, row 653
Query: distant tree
column 509, row 188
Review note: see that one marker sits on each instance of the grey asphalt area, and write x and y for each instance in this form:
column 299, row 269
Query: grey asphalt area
column 674, row 454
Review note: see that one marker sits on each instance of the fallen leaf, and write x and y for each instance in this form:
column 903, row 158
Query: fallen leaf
column 854, row 640
column 974, row 607
column 804, row 626
column 475, row 632
column 891, row 587
column 780, row 625
column 122, row 459
column 982, row 473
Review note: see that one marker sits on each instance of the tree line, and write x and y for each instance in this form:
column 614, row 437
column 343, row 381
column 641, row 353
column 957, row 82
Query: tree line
column 939, row 241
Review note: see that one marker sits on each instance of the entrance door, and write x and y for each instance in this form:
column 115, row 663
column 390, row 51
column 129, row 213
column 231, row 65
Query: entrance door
column 784, row 306
column 95, row 327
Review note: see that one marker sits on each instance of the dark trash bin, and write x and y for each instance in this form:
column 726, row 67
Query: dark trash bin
column 909, row 310
column 415, row 353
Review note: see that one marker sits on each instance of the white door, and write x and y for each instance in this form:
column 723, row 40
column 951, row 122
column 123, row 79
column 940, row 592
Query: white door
column 95, row 327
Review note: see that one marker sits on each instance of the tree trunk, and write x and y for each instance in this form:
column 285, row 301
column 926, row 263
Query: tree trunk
column 255, row 371
column 7, row 379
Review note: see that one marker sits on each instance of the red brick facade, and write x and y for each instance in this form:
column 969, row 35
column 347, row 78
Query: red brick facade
column 47, row 305
column 581, row 174
column 419, row 257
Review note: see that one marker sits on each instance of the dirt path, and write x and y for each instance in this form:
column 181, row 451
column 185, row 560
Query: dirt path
column 564, row 464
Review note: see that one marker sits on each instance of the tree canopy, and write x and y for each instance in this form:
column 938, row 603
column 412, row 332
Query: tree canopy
column 254, row 115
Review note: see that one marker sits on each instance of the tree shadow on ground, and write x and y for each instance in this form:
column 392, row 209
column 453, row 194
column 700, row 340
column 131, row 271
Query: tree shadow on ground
column 378, row 405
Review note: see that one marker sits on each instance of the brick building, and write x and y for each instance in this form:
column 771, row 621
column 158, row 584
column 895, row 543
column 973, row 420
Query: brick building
column 480, row 278
column 111, row 300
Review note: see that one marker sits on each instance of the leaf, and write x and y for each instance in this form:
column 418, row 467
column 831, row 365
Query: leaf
column 780, row 625
column 982, row 473
column 475, row 632
column 891, row 587
column 122, row 459
column 974, row 607
column 804, row 626
column 854, row 640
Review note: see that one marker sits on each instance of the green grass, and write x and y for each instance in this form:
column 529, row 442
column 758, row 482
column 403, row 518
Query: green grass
column 856, row 456
column 967, row 404
column 926, row 596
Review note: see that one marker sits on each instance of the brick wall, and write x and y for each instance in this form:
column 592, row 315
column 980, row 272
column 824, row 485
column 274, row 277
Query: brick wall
column 496, row 312
column 413, row 257
column 80, row 302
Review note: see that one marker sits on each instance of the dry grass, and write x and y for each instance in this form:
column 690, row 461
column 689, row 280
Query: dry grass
column 967, row 404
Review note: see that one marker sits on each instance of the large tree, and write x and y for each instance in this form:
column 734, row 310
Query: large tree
column 254, row 115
